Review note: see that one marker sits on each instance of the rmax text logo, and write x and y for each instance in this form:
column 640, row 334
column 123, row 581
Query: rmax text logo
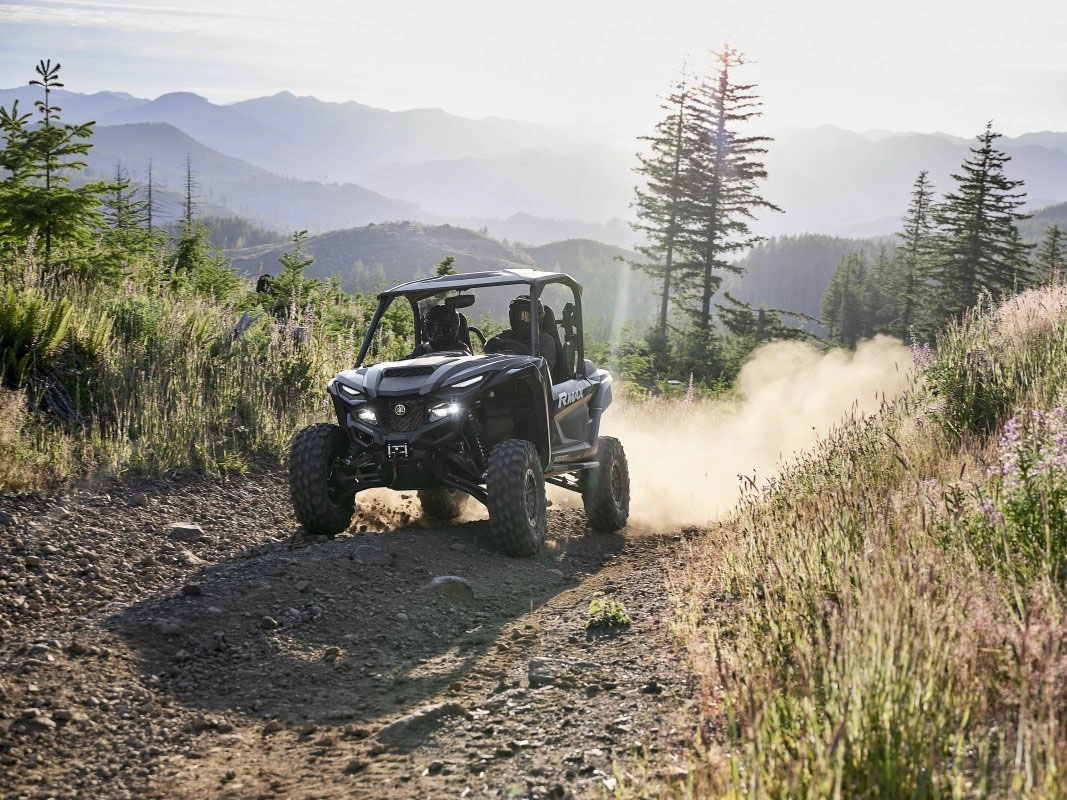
column 566, row 398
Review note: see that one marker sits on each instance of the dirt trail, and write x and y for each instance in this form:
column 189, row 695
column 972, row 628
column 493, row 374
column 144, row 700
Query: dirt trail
column 257, row 662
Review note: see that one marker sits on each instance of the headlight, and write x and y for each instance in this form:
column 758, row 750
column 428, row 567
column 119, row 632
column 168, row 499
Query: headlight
column 348, row 391
column 445, row 410
column 368, row 415
column 466, row 383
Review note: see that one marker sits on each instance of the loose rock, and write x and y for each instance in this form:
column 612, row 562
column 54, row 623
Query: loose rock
column 456, row 589
column 185, row 532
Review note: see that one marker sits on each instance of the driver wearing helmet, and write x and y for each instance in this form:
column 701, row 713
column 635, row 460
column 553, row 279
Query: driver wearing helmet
column 442, row 326
column 516, row 339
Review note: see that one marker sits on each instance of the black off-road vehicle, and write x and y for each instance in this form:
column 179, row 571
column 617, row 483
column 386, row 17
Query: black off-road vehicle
column 449, row 423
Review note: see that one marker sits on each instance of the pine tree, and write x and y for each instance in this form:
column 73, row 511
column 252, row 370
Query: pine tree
column 846, row 304
column 722, row 194
column 978, row 246
column 658, row 206
column 1051, row 256
column 912, row 265
column 758, row 325
column 35, row 197
column 447, row 266
column 125, row 238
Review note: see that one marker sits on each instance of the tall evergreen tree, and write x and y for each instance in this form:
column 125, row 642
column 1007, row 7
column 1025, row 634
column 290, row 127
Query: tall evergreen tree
column 1051, row 256
column 659, row 202
column 911, row 271
column 846, row 304
column 35, row 196
column 978, row 246
column 724, row 171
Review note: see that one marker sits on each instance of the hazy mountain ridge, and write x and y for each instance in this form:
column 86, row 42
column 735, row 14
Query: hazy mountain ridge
column 235, row 186
column 827, row 179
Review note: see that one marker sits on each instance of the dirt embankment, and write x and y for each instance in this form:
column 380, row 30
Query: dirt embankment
column 248, row 660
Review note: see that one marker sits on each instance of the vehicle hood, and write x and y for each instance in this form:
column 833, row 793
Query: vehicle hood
column 427, row 374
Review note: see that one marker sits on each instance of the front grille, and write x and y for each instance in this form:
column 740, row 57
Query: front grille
column 413, row 418
column 407, row 372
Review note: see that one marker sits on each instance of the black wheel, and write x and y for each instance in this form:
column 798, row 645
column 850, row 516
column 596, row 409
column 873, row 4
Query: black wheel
column 320, row 507
column 442, row 503
column 606, row 489
column 516, row 486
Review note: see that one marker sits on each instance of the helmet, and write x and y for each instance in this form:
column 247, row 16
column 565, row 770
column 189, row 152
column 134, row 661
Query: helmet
column 442, row 323
column 519, row 313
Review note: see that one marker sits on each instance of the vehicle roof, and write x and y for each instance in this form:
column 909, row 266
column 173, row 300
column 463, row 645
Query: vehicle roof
column 474, row 280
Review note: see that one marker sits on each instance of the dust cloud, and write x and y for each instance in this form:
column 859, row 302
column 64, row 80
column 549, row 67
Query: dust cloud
column 685, row 462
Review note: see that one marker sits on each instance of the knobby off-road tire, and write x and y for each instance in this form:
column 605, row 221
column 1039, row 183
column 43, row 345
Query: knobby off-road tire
column 320, row 509
column 443, row 504
column 606, row 489
column 516, row 487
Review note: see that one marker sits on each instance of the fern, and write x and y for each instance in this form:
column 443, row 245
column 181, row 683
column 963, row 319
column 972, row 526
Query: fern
column 32, row 329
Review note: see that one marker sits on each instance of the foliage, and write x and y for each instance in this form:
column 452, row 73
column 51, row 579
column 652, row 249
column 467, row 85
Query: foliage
column 605, row 613
column 865, row 626
column 446, row 267
column 32, row 329
column 699, row 193
column 978, row 245
column 1051, row 256
column 1020, row 514
column 35, row 196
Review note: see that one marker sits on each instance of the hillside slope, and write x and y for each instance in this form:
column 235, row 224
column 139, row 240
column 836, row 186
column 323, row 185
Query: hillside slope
column 376, row 256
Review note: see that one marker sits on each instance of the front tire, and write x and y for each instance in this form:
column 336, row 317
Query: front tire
column 516, row 485
column 443, row 504
column 321, row 509
column 606, row 489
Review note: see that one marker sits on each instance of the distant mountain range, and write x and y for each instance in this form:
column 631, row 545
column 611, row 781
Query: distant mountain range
column 534, row 180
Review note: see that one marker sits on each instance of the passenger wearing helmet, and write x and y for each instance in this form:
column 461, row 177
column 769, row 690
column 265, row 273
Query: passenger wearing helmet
column 517, row 338
column 441, row 326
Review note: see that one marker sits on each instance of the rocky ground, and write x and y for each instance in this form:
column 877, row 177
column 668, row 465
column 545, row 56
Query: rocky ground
column 182, row 638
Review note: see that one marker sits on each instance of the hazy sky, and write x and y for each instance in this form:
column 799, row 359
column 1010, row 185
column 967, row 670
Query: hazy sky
column 924, row 65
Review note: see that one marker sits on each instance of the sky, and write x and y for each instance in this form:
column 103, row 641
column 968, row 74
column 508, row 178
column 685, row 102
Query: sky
column 929, row 65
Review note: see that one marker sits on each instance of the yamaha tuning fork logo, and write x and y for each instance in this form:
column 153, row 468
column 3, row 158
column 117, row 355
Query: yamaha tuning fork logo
column 400, row 409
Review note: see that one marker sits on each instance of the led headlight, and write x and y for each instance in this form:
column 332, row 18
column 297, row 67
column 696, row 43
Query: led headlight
column 348, row 391
column 466, row 383
column 445, row 410
column 368, row 415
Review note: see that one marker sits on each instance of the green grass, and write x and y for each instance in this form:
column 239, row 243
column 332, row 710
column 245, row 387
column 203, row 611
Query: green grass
column 887, row 620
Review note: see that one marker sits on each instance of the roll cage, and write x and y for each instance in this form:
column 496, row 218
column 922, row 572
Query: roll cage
column 536, row 280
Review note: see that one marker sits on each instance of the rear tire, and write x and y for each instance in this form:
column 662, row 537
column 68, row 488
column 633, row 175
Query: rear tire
column 606, row 489
column 443, row 504
column 320, row 509
column 515, row 482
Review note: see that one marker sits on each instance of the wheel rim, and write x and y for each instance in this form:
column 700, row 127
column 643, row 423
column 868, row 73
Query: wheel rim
column 531, row 498
column 616, row 483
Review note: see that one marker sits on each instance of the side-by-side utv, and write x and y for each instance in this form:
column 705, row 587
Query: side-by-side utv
column 490, row 417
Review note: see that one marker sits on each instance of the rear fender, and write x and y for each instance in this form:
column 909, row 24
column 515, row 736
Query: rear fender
column 600, row 401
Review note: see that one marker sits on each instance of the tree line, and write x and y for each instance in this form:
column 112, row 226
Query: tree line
column 701, row 168
column 950, row 254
